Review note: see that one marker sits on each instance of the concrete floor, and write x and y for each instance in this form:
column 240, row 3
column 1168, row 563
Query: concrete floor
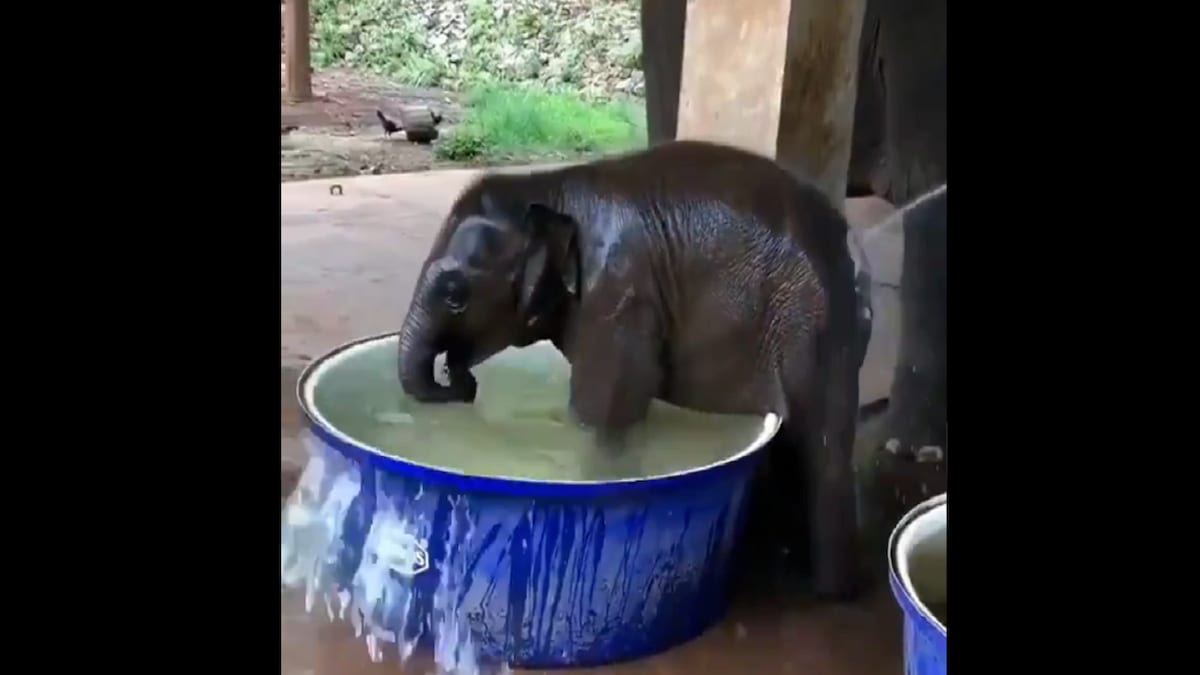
column 348, row 266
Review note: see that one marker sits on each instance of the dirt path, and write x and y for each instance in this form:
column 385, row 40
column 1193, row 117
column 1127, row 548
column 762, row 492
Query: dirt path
column 337, row 133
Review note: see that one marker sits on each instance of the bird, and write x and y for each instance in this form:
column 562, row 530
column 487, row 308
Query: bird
column 389, row 127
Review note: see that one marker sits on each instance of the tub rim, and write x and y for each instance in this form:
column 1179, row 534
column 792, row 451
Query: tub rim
column 523, row 487
column 901, row 587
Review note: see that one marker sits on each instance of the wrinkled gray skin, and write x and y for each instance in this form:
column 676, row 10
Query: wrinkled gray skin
column 695, row 273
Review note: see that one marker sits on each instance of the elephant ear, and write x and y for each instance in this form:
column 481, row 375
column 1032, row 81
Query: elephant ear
column 552, row 248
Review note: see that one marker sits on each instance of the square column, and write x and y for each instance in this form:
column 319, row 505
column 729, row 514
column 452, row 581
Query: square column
column 776, row 77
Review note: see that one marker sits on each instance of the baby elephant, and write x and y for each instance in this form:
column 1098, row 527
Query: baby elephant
column 699, row 274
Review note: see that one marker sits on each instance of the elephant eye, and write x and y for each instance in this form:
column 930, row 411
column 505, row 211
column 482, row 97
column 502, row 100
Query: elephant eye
column 453, row 289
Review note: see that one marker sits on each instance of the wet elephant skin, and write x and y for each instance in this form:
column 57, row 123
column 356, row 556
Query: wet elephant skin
column 696, row 273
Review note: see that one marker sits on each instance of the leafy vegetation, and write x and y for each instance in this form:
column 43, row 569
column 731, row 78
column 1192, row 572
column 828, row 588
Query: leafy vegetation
column 548, row 78
column 503, row 122
column 591, row 47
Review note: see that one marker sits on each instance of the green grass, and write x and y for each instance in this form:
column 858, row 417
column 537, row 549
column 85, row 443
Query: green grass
column 513, row 123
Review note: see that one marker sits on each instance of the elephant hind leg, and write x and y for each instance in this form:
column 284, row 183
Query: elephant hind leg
column 771, row 558
column 829, row 414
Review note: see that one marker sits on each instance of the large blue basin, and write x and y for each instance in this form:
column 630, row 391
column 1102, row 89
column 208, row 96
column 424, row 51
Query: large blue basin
column 524, row 572
column 917, row 573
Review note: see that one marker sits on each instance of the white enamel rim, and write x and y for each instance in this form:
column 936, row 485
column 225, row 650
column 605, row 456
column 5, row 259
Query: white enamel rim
column 313, row 373
column 928, row 516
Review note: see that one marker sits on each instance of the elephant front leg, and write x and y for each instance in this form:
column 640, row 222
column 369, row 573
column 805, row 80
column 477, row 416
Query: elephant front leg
column 615, row 374
column 830, row 417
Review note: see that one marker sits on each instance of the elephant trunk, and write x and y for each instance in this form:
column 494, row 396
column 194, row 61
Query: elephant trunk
column 418, row 349
column 420, row 343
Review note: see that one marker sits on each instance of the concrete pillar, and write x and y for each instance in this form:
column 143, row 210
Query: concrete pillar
column 777, row 77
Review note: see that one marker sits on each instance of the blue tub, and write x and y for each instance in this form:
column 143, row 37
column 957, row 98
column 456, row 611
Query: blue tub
column 522, row 572
column 917, row 572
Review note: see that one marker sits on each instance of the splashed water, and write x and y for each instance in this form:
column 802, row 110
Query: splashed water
column 482, row 578
column 380, row 592
column 312, row 522
column 453, row 649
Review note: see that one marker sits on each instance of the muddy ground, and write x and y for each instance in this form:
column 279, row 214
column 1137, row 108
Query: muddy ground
column 337, row 133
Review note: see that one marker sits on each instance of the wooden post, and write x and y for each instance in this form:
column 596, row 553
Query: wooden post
column 662, row 62
column 777, row 77
column 299, row 67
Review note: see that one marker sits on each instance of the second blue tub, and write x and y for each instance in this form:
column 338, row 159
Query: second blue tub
column 917, row 572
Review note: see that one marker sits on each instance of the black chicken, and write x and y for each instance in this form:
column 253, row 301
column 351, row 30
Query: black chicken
column 389, row 127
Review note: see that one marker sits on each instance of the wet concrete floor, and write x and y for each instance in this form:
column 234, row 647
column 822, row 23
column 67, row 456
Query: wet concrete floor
column 348, row 266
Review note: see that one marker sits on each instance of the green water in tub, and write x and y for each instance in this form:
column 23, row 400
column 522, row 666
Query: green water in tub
column 518, row 425
column 927, row 572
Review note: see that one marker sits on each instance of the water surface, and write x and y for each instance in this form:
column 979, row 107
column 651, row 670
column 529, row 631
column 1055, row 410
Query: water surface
column 519, row 425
